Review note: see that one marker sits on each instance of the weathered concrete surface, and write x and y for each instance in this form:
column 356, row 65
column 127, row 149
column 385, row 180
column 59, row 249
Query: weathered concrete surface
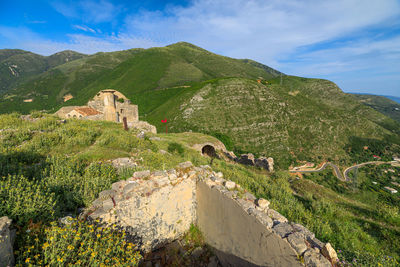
column 6, row 250
column 156, row 207
column 229, row 229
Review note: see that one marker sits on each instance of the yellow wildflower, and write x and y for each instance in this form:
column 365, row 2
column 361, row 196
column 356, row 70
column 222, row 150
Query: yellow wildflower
column 28, row 260
column 45, row 245
column 70, row 247
column 60, row 259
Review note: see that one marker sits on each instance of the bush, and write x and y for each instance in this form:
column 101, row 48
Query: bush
column 226, row 140
column 79, row 244
column 23, row 200
column 175, row 147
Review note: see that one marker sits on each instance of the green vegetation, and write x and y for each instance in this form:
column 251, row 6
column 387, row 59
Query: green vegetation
column 137, row 73
column 318, row 122
column 176, row 147
column 79, row 244
column 194, row 236
column 49, row 169
column 291, row 119
column 382, row 104
column 18, row 66
column 61, row 167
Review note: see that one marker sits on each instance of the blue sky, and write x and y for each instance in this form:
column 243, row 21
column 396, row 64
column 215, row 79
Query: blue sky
column 355, row 43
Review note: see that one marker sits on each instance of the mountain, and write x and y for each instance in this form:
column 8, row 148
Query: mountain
column 383, row 104
column 17, row 66
column 247, row 104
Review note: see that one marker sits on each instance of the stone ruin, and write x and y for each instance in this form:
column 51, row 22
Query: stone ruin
column 109, row 105
column 159, row 207
column 212, row 150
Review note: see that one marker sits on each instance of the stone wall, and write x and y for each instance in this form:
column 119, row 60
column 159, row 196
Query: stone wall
column 158, row 207
column 244, row 231
column 6, row 250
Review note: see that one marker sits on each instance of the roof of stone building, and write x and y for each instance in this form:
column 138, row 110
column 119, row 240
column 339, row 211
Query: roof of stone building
column 87, row 111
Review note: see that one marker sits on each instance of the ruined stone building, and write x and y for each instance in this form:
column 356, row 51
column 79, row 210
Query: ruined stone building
column 109, row 105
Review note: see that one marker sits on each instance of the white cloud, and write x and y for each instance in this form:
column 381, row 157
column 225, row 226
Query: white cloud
column 23, row 38
column 84, row 28
column 88, row 10
column 297, row 37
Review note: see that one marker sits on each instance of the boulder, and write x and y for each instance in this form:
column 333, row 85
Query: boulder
column 67, row 220
column 296, row 240
column 314, row 259
column 283, row 229
column 185, row 165
column 276, row 216
column 261, row 162
column 6, row 246
column 230, row 185
column 246, row 159
column 270, row 164
column 262, row 203
column 329, row 252
column 141, row 174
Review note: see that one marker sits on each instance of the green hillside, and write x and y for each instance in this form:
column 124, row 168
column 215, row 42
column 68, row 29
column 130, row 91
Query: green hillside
column 289, row 118
column 136, row 73
column 382, row 104
column 18, row 66
column 302, row 119
column 49, row 169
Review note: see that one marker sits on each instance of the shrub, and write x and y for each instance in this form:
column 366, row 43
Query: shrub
column 24, row 200
column 226, row 140
column 175, row 147
column 79, row 244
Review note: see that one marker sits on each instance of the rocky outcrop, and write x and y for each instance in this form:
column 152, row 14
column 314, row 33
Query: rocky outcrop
column 143, row 126
column 246, row 159
column 159, row 207
column 262, row 162
column 6, row 240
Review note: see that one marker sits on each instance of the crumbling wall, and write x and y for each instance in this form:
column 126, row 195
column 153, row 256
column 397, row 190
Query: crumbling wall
column 158, row 207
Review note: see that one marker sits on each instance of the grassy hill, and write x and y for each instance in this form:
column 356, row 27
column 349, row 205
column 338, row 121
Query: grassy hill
column 302, row 119
column 18, row 66
column 290, row 118
column 137, row 73
column 382, row 104
column 49, row 169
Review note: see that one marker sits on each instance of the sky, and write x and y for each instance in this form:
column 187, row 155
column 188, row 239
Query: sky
column 354, row 43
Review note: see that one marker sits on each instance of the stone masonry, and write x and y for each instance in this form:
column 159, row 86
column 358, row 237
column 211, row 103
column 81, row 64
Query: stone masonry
column 158, row 207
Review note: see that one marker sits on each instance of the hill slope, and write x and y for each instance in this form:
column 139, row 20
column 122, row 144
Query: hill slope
column 293, row 120
column 302, row 119
column 135, row 72
column 17, row 66
column 382, row 104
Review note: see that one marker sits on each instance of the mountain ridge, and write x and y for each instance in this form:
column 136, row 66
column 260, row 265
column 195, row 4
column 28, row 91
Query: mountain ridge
column 261, row 110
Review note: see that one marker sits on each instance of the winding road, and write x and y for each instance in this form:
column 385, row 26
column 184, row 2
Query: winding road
column 343, row 177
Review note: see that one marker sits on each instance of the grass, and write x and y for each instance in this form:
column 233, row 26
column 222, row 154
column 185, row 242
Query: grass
column 49, row 169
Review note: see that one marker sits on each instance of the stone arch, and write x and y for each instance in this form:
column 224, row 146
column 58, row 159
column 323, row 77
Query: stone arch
column 209, row 150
